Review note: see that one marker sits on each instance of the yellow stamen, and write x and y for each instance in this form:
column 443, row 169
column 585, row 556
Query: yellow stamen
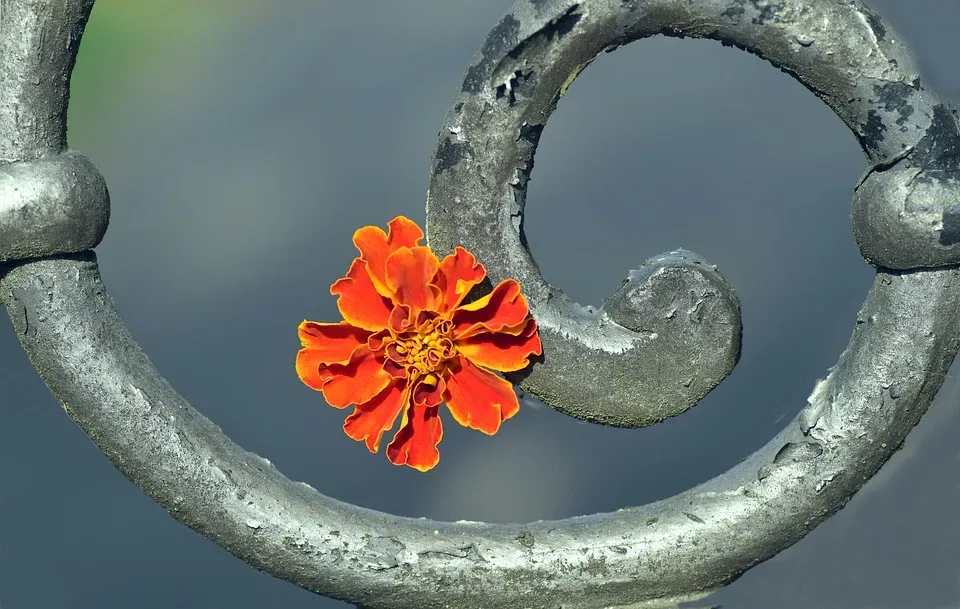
column 425, row 350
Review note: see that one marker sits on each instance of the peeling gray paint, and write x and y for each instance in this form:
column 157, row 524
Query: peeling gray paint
column 832, row 48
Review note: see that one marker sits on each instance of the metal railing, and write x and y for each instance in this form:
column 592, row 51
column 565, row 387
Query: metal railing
column 54, row 209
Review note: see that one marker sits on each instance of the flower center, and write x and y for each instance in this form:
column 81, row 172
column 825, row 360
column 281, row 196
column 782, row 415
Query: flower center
column 425, row 350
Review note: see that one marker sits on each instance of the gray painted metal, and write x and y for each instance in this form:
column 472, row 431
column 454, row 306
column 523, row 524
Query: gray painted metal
column 906, row 335
column 38, row 48
column 908, row 216
column 51, row 201
column 52, row 205
column 597, row 366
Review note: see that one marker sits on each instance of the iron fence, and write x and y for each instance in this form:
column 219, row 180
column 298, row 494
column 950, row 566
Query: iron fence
column 54, row 209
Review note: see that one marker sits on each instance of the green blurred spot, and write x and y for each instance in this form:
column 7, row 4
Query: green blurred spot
column 146, row 47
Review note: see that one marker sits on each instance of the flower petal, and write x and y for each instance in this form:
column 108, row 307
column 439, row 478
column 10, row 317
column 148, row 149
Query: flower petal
column 457, row 275
column 335, row 343
column 502, row 351
column 357, row 381
column 479, row 399
column 428, row 390
column 311, row 368
column 360, row 303
column 409, row 271
column 504, row 307
column 376, row 246
column 370, row 419
column 325, row 344
column 416, row 442
column 402, row 319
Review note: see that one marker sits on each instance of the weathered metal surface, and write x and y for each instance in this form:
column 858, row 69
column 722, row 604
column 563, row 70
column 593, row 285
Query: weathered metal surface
column 904, row 340
column 51, row 205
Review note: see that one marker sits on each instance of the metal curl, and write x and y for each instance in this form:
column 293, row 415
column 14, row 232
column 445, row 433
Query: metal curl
column 608, row 365
column 906, row 336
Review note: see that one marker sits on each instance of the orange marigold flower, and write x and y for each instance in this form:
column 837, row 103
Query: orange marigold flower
column 409, row 343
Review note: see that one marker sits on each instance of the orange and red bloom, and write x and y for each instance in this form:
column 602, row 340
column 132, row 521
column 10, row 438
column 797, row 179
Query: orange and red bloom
column 408, row 343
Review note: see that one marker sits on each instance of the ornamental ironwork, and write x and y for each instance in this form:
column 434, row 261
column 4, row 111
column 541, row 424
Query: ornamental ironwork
column 597, row 363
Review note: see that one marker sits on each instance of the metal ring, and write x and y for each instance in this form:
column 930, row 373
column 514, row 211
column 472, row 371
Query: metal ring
column 52, row 205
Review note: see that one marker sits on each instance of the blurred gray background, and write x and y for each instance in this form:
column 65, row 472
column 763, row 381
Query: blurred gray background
column 244, row 142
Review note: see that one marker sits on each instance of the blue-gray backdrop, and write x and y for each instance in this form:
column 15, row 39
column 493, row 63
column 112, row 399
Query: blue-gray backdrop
column 237, row 178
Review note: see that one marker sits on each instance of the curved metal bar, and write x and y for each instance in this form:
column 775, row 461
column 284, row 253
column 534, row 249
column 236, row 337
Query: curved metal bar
column 38, row 48
column 52, row 201
column 906, row 336
column 841, row 51
column 691, row 543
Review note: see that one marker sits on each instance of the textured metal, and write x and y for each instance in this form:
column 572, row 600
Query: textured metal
column 38, row 48
column 51, row 205
column 51, row 201
column 908, row 216
column 595, row 366
column 905, row 338
column 687, row 315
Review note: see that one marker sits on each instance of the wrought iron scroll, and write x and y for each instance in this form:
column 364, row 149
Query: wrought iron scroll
column 53, row 207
